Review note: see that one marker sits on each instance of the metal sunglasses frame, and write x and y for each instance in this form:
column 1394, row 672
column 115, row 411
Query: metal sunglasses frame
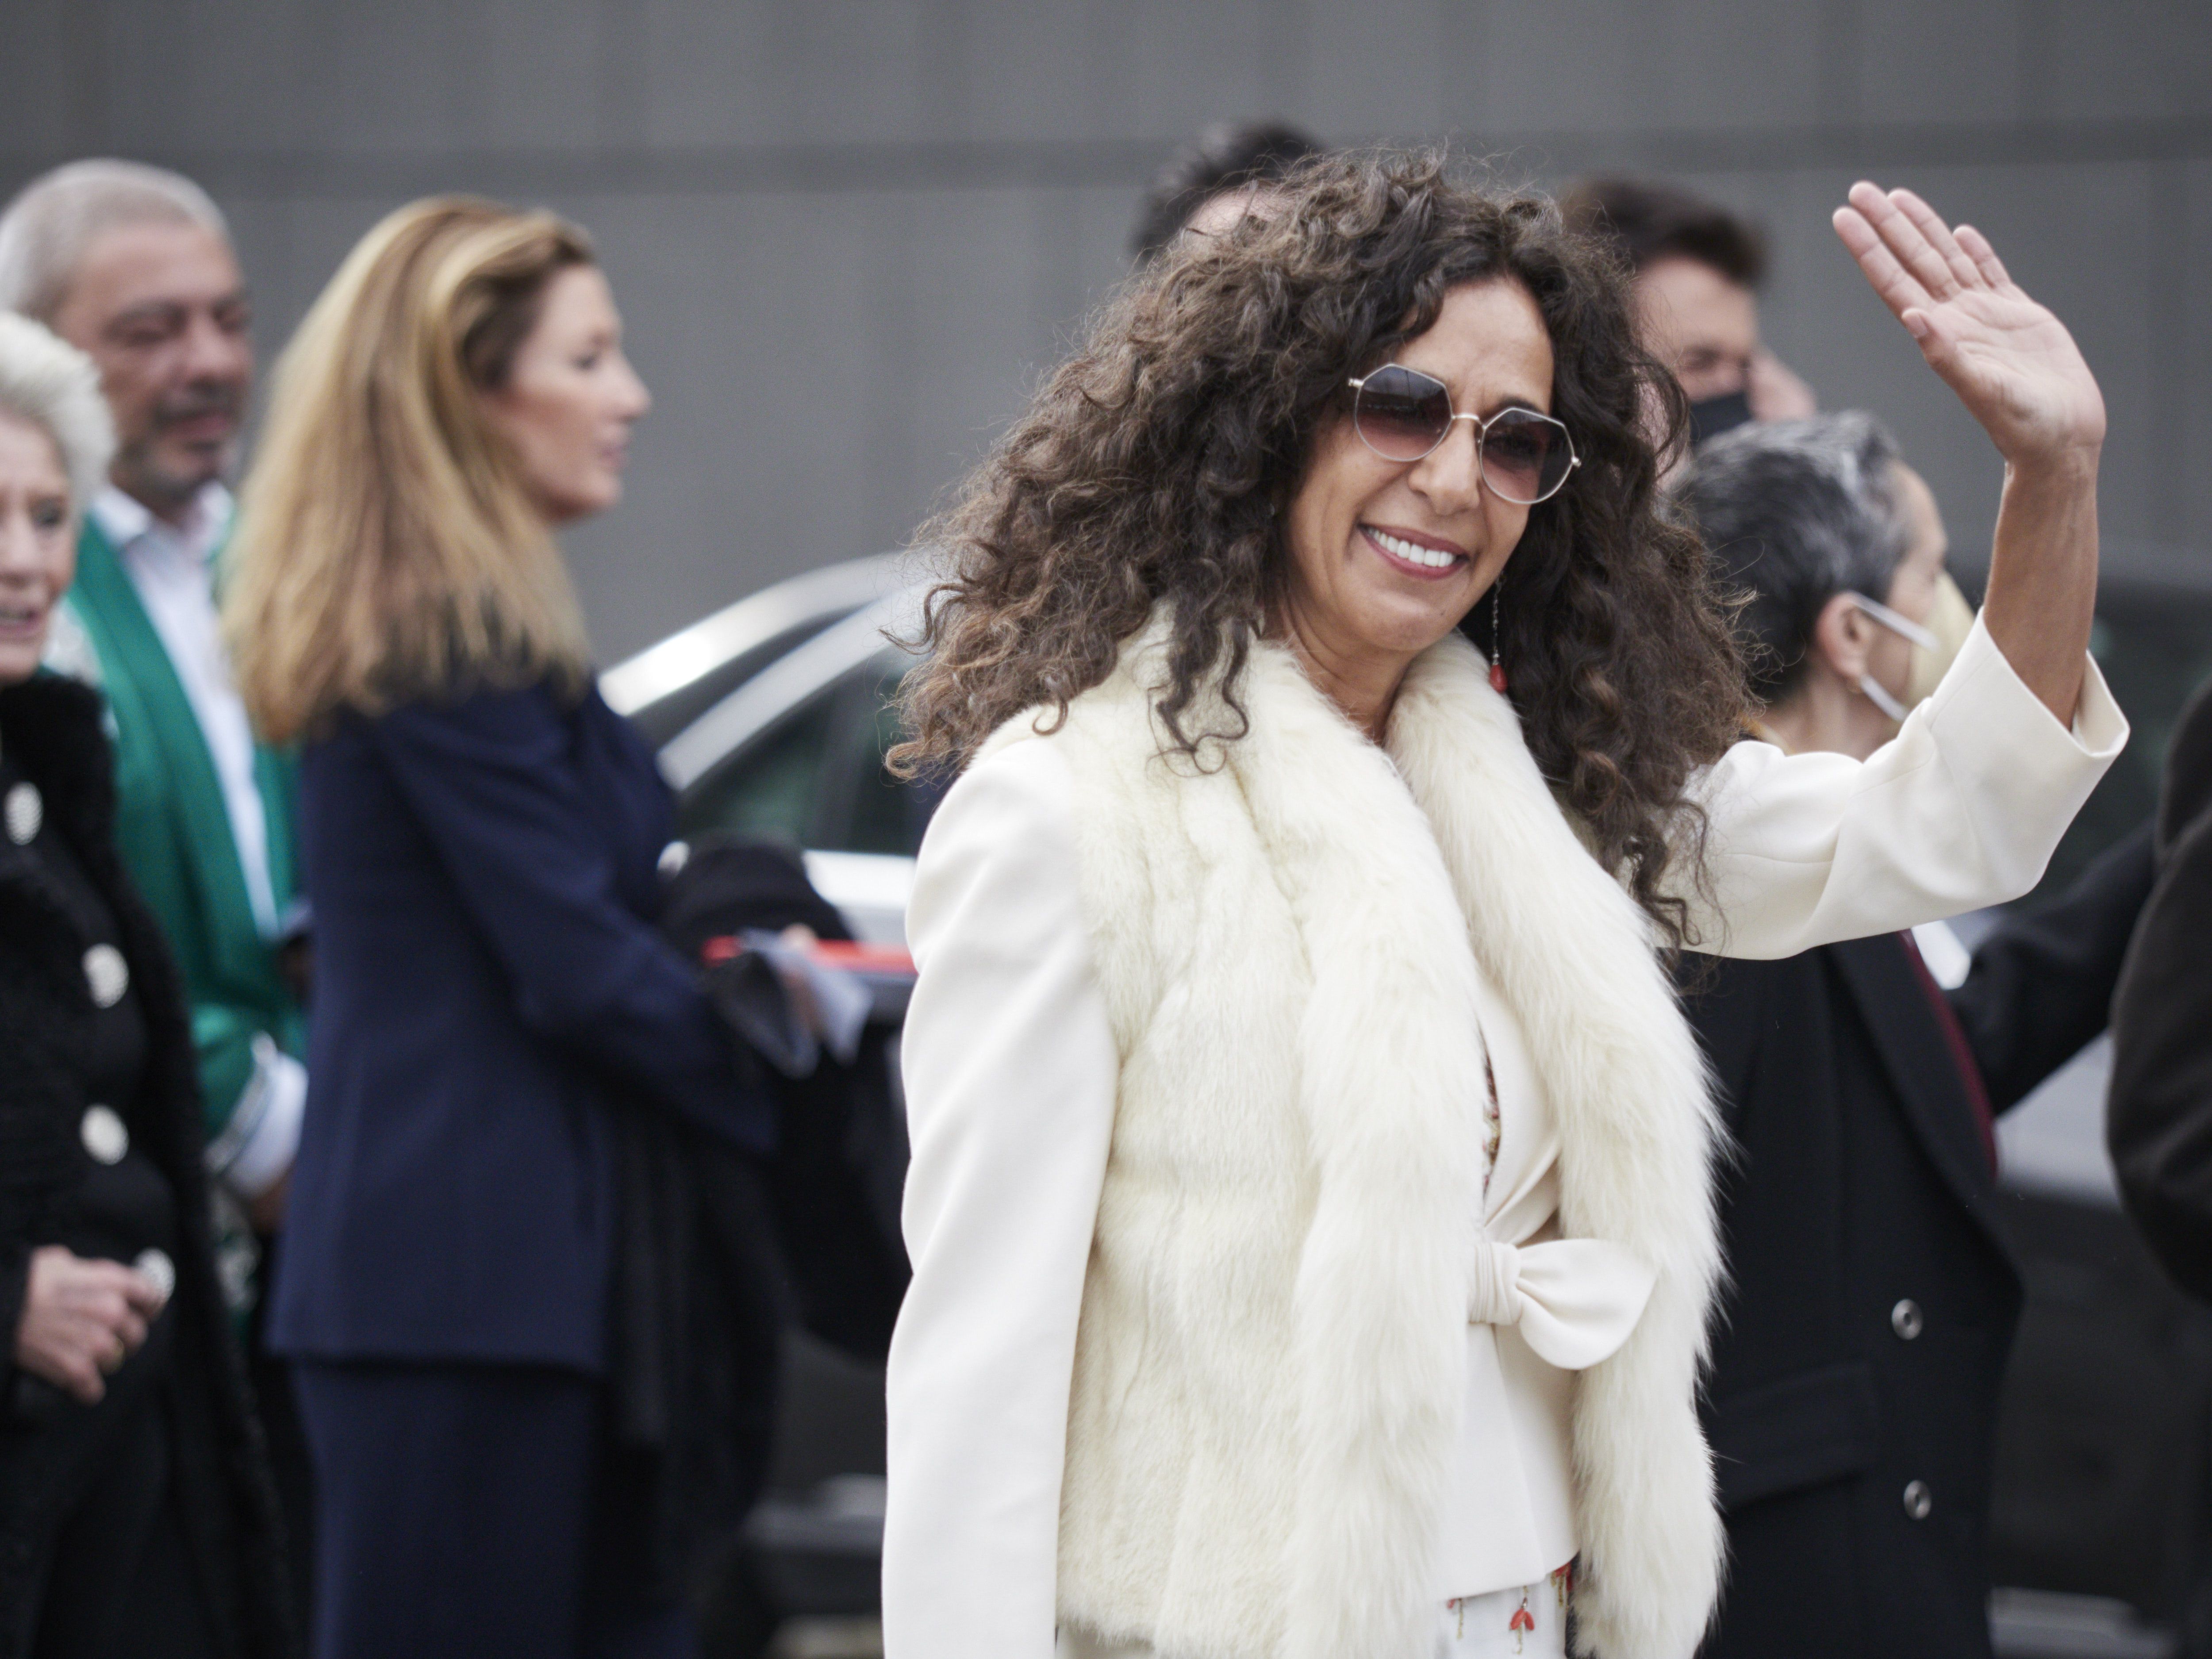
column 1358, row 384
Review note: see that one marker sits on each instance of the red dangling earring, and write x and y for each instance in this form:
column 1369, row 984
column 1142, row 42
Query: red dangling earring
column 1497, row 666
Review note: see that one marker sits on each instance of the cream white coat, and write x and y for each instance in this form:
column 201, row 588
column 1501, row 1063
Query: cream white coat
column 1245, row 1433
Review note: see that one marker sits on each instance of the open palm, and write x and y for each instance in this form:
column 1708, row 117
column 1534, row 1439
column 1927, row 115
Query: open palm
column 2011, row 362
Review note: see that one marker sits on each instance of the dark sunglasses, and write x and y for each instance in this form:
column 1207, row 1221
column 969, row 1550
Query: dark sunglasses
column 1403, row 415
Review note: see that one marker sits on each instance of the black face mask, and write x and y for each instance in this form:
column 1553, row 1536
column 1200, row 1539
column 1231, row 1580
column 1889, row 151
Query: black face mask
column 1710, row 416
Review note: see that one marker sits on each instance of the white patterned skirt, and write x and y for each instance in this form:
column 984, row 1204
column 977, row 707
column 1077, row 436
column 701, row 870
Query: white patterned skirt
column 1529, row 1623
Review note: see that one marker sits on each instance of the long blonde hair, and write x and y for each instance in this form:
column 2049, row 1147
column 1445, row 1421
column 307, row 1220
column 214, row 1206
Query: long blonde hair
column 386, row 548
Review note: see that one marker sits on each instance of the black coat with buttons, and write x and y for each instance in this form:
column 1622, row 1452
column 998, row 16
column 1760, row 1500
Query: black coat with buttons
column 1871, row 1298
column 51, row 729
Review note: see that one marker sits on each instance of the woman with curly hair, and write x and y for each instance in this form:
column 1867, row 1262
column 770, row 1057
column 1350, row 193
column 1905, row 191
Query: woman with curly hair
column 1310, row 1209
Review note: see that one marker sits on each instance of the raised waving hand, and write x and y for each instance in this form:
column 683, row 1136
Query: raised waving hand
column 2012, row 363
column 2019, row 373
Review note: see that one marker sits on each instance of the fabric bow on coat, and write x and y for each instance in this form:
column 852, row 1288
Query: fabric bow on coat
column 1575, row 1300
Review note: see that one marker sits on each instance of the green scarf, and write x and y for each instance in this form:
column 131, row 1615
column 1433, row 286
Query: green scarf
column 174, row 836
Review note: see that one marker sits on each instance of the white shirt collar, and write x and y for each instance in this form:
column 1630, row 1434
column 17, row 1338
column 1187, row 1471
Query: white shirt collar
column 124, row 520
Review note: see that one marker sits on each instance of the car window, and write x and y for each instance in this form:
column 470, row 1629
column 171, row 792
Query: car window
column 816, row 779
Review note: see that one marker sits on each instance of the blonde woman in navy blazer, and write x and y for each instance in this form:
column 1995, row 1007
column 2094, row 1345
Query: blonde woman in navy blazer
column 480, row 832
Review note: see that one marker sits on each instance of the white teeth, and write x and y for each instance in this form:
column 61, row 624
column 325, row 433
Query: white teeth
column 1411, row 553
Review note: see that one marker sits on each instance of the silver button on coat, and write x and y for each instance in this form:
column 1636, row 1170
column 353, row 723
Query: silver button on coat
column 104, row 1136
column 1906, row 1320
column 1919, row 1502
column 107, row 975
column 24, row 811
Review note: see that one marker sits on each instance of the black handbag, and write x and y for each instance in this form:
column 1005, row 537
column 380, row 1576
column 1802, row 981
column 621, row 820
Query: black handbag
column 719, row 1252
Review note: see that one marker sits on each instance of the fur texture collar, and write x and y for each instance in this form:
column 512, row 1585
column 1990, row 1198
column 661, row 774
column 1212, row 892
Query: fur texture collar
column 1572, row 955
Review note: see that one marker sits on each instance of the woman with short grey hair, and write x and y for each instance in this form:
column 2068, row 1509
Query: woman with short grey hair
column 1870, row 1301
column 1835, row 550
column 52, row 388
column 137, row 1515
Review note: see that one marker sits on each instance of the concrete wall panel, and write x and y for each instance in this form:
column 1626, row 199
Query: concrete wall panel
column 1915, row 63
column 850, row 235
column 757, row 72
column 747, row 317
column 1025, row 71
column 1573, row 65
column 243, row 66
column 540, row 74
column 1435, row 80
column 1737, row 64
column 40, row 114
column 2123, row 60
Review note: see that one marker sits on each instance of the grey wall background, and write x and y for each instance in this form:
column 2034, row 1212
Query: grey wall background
column 848, row 235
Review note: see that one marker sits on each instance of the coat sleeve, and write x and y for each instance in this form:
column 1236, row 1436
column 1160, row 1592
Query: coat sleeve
column 255, row 1096
column 490, row 782
column 1961, row 809
column 2158, row 1119
column 2041, row 985
column 38, row 1111
column 1011, row 1073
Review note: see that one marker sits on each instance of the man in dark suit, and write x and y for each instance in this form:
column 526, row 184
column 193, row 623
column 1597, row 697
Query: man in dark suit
column 2159, row 1117
column 1872, row 1300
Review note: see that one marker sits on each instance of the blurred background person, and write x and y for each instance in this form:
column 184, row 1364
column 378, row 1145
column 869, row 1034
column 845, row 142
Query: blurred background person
column 137, row 1515
column 481, row 832
column 2159, row 1112
column 133, row 266
column 1699, row 268
column 1211, row 183
column 1852, row 1399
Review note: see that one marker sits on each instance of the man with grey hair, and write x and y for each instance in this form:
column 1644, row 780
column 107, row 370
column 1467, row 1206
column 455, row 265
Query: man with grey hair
column 133, row 266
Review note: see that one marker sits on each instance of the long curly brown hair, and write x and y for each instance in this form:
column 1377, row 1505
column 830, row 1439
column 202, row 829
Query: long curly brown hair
column 1156, row 467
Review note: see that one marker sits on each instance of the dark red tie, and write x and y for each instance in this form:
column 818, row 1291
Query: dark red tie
column 1970, row 1073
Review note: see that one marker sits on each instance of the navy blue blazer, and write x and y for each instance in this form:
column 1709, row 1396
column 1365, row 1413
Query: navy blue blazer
column 488, row 984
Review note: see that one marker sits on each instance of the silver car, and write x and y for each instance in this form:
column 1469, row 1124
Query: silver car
column 772, row 717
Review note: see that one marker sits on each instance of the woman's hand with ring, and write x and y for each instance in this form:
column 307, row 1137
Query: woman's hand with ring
column 82, row 1318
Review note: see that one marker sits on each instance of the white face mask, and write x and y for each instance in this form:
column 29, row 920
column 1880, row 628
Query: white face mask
column 1950, row 619
column 1935, row 646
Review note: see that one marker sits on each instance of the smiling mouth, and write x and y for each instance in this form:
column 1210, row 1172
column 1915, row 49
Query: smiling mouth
column 1419, row 556
column 16, row 618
